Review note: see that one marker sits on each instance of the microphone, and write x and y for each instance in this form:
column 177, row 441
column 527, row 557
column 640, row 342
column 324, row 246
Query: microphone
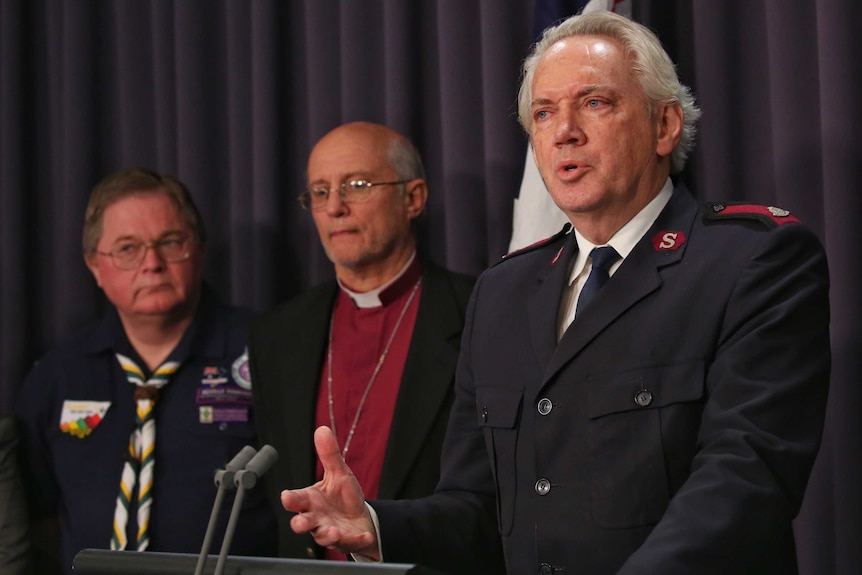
column 244, row 479
column 224, row 481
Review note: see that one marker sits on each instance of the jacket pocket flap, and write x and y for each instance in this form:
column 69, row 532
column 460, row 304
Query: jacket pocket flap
column 648, row 387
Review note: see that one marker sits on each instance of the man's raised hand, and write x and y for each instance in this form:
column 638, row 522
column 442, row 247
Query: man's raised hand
column 333, row 510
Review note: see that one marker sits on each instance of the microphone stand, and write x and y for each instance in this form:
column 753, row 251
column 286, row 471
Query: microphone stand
column 244, row 479
column 224, row 480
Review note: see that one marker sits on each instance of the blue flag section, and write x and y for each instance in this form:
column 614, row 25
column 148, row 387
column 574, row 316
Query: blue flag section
column 535, row 216
column 552, row 11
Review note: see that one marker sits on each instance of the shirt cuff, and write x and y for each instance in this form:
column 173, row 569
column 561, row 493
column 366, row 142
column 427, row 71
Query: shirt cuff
column 362, row 558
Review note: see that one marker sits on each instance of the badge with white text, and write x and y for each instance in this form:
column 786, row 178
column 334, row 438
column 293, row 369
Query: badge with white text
column 80, row 417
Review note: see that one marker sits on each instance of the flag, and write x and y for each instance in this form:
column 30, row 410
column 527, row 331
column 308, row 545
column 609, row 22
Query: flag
column 535, row 216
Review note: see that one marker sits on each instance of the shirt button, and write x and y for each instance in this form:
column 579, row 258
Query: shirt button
column 543, row 486
column 643, row 398
column 310, row 552
column 545, row 406
column 545, row 569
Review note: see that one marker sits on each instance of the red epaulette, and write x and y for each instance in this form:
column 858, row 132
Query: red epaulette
column 566, row 229
column 769, row 215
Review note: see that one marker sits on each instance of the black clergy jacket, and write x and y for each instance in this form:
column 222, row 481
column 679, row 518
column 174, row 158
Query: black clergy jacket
column 670, row 431
column 287, row 351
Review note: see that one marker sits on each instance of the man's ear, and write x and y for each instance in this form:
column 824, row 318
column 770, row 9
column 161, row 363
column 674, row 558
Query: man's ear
column 669, row 128
column 415, row 197
column 93, row 265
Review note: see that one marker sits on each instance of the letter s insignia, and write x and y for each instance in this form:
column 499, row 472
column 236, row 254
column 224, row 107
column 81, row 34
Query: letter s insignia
column 663, row 241
column 668, row 240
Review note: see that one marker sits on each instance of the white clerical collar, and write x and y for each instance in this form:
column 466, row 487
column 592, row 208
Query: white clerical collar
column 628, row 236
column 372, row 298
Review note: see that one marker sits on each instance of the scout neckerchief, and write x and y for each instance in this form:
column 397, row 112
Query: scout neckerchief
column 138, row 468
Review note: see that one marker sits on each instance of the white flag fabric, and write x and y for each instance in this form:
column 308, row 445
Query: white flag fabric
column 621, row 7
column 535, row 215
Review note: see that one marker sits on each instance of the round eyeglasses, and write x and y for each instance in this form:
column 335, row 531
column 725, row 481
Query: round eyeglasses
column 127, row 254
column 350, row 192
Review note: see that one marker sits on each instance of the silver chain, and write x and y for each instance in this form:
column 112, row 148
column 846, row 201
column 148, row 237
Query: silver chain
column 373, row 375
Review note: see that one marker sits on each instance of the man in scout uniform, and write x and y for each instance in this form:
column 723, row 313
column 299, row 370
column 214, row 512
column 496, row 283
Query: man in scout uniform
column 124, row 424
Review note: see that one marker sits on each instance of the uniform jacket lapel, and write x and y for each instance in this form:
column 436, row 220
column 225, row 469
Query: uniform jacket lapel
column 543, row 306
column 636, row 278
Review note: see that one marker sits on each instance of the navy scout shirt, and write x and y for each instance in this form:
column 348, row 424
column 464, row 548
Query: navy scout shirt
column 76, row 412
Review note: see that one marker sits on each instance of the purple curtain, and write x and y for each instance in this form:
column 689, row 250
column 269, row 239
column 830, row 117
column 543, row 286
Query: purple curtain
column 230, row 95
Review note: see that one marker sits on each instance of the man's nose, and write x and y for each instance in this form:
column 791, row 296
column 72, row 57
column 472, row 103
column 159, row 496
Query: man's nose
column 335, row 204
column 152, row 257
column 568, row 129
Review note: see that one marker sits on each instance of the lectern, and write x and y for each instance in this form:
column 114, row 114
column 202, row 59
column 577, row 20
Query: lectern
column 105, row 562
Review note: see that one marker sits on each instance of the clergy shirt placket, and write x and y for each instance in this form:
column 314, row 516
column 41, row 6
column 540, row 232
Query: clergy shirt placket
column 373, row 374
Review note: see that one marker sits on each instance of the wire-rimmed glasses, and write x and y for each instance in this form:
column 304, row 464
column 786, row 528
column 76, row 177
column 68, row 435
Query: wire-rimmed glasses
column 350, row 192
column 128, row 253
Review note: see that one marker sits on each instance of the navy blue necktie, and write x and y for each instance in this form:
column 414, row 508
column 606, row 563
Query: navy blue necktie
column 603, row 258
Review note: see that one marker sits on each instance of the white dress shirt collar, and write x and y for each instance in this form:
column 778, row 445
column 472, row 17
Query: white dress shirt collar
column 623, row 242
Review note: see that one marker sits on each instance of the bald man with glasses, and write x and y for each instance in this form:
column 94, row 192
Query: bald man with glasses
column 372, row 353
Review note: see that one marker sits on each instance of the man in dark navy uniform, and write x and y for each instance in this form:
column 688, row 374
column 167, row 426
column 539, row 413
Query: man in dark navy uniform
column 641, row 395
column 166, row 343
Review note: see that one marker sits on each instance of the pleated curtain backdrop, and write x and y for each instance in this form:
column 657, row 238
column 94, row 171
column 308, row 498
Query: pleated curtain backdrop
column 230, row 95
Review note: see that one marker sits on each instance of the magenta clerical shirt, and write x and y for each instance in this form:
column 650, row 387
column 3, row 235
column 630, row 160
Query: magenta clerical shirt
column 359, row 337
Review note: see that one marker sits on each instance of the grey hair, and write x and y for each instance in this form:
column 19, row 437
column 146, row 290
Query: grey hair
column 651, row 65
column 136, row 181
column 404, row 159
